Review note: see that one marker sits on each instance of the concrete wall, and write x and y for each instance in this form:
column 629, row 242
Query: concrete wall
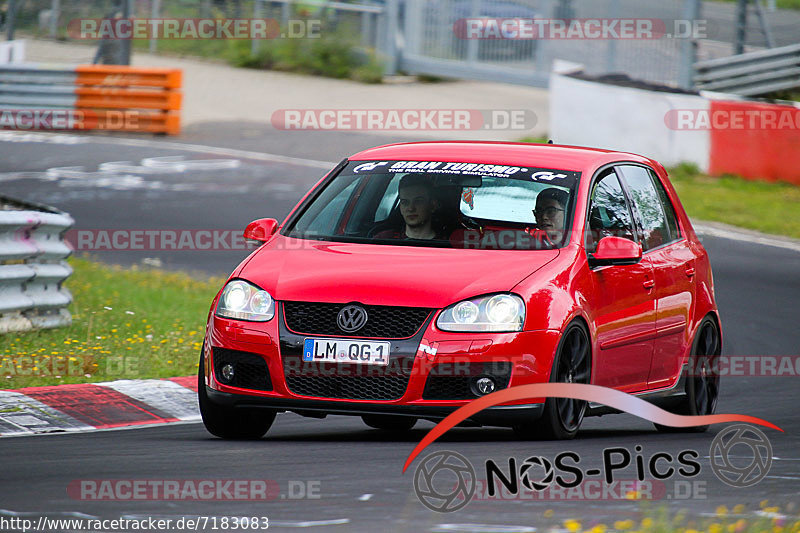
column 587, row 113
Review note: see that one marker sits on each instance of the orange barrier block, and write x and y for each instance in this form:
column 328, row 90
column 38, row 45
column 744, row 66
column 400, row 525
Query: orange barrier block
column 125, row 98
column 133, row 120
column 126, row 76
column 755, row 140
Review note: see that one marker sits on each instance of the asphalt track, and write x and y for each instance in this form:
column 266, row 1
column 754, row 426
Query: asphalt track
column 358, row 470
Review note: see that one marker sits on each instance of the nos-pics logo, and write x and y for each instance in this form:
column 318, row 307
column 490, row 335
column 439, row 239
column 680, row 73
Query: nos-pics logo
column 446, row 481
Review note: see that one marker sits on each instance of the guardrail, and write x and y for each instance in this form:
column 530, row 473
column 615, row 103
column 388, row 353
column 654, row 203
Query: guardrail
column 32, row 266
column 108, row 97
column 751, row 74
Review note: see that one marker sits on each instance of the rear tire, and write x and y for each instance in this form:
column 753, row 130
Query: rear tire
column 562, row 417
column 392, row 423
column 230, row 422
column 702, row 383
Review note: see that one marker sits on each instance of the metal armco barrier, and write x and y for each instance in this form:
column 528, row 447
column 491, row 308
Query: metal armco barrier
column 107, row 97
column 751, row 74
column 32, row 266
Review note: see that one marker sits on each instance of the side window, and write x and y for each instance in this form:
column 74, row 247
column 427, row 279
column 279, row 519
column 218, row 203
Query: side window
column 652, row 220
column 669, row 210
column 388, row 200
column 609, row 213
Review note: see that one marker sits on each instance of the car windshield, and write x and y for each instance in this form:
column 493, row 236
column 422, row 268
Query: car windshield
column 441, row 204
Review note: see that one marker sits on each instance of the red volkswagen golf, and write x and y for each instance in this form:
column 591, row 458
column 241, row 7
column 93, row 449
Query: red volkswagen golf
column 416, row 277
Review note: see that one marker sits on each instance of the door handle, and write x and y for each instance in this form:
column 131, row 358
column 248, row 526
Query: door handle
column 649, row 284
column 690, row 272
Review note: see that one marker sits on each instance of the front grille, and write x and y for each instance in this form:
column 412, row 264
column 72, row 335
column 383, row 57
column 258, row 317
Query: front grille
column 348, row 381
column 453, row 381
column 351, row 388
column 250, row 370
column 385, row 322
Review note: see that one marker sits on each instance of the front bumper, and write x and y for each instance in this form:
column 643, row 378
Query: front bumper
column 525, row 357
column 501, row 415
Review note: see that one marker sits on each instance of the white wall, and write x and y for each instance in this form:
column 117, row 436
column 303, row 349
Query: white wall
column 12, row 52
column 594, row 114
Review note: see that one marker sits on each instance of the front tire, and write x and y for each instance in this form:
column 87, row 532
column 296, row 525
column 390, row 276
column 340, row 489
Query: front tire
column 391, row 423
column 562, row 417
column 702, row 384
column 230, row 422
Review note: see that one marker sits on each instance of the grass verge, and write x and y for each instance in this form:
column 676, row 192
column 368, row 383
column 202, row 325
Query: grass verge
column 127, row 324
column 758, row 205
column 780, row 4
column 769, row 207
column 739, row 518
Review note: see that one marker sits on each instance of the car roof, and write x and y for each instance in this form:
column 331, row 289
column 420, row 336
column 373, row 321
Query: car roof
column 510, row 153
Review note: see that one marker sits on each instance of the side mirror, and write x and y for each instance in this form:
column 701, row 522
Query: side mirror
column 261, row 230
column 615, row 251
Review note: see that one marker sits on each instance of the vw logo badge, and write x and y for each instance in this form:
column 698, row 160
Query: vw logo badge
column 352, row 318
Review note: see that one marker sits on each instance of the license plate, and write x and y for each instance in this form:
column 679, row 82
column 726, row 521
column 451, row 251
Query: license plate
column 346, row 351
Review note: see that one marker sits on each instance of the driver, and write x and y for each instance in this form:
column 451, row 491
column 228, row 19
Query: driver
column 417, row 202
column 550, row 212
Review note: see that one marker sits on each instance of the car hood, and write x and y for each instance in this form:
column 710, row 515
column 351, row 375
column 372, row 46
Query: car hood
column 304, row 270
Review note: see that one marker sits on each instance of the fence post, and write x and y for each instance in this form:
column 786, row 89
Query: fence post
column 11, row 20
column 741, row 26
column 689, row 47
column 473, row 44
column 257, row 14
column 155, row 12
column 125, row 45
column 392, row 31
column 55, row 13
column 286, row 8
column 611, row 50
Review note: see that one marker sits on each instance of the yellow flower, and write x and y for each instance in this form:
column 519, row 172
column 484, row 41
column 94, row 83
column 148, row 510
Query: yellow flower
column 599, row 528
column 715, row 528
column 647, row 523
column 738, row 509
column 623, row 524
column 722, row 510
column 572, row 525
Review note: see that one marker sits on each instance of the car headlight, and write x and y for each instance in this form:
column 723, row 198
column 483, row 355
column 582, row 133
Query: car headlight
column 243, row 301
column 498, row 312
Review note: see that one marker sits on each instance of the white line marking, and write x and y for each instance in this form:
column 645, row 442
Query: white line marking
column 166, row 145
column 365, row 497
column 746, row 236
column 309, row 523
column 483, row 528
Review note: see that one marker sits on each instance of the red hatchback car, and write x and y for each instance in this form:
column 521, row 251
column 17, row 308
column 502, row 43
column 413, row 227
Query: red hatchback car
column 414, row 278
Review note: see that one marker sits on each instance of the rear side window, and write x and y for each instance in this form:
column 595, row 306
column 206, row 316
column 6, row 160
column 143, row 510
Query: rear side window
column 669, row 210
column 655, row 230
column 609, row 213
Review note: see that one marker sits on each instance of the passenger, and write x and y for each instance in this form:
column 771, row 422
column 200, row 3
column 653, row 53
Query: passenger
column 417, row 202
column 550, row 212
